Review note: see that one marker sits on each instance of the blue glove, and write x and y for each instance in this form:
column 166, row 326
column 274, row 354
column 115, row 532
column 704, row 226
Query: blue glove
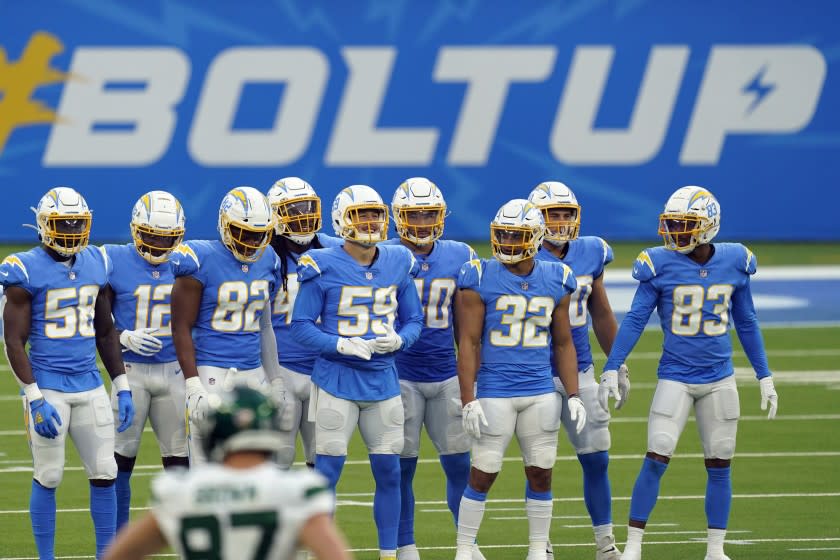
column 43, row 415
column 125, row 410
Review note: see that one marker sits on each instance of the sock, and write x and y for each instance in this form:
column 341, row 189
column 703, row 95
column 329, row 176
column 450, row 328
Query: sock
column 470, row 514
column 718, row 497
column 387, row 554
column 386, row 500
column 408, row 552
column 405, row 535
column 634, row 540
column 538, row 507
column 103, row 511
column 122, row 488
column 596, row 487
column 457, row 470
column 714, row 543
column 646, row 489
column 42, row 514
column 330, row 466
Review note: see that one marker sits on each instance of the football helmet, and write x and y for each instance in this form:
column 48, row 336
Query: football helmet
column 359, row 215
column 246, row 223
column 419, row 211
column 560, row 210
column 62, row 220
column 691, row 218
column 517, row 231
column 242, row 419
column 157, row 225
column 298, row 209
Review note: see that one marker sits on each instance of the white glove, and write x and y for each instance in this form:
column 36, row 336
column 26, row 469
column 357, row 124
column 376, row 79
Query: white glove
column 768, row 394
column 355, row 346
column 577, row 412
column 472, row 417
column 389, row 342
column 623, row 386
column 197, row 403
column 278, row 393
column 141, row 341
column 608, row 388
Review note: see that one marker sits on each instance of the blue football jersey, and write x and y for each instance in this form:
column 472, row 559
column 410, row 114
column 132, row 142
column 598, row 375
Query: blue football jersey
column 141, row 299
column 587, row 257
column 291, row 353
column 694, row 302
column 432, row 357
column 353, row 300
column 62, row 343
column 227, row 330
column 516, row 340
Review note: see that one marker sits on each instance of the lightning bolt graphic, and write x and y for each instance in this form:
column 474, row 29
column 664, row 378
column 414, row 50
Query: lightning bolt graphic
column 758, row 88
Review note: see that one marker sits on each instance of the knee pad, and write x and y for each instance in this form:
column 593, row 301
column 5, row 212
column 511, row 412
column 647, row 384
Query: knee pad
column 487, row 460
column 723, row 448
column 662, row 443
column 334, row 447
column 543, row 457
column 50, row 478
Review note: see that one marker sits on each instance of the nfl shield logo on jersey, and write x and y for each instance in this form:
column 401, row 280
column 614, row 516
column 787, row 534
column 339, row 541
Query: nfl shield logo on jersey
column 244, row 268
column 703, row 273
column 72, row 275
column 369, row 275
column 424, row 267
column 155, row 274
column 524, row 285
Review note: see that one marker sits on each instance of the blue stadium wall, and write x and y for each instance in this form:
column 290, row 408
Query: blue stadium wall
column 623, row 100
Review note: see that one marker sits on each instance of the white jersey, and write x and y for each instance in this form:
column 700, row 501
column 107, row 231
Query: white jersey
column 238, row 513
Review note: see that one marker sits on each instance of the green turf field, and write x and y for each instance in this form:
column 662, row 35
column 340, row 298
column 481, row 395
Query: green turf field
column 786, row 479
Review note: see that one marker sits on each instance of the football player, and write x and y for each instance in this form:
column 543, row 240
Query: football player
column 362, row 293
column 587, row 257
column 139, row 288
column 56, row 304
column 240, row 505
column 428, row 376
column 513, row 318
column 695, row 286
column 297, row 229
column 221, row 314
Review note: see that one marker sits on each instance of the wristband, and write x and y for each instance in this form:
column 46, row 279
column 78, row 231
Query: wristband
column 32, row 392
column 120, row 382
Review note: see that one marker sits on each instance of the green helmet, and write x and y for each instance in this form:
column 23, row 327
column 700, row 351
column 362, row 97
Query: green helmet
column 242, row 419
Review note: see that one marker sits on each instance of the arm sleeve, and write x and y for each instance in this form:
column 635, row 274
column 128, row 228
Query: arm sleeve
column 308, row 305
column 409, row 312
column 749, row 333
column 632, row 326
column 268, row 345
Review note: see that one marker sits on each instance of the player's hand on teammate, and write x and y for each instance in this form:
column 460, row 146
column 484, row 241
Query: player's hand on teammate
column 387, row 343
column 141, row 341
column 577, row 412
column 768, row 396
column 623, row 386
column 197, row 403
column 609, row 388
column 357, row 347
column 125, row 410
column 45, row 418
column 473, row 417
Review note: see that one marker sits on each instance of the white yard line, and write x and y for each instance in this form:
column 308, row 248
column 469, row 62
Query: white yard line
column 826, row 272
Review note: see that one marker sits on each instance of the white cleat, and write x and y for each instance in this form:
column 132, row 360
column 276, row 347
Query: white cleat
column 476, row 553
column 717, row 557
column 607, row 549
